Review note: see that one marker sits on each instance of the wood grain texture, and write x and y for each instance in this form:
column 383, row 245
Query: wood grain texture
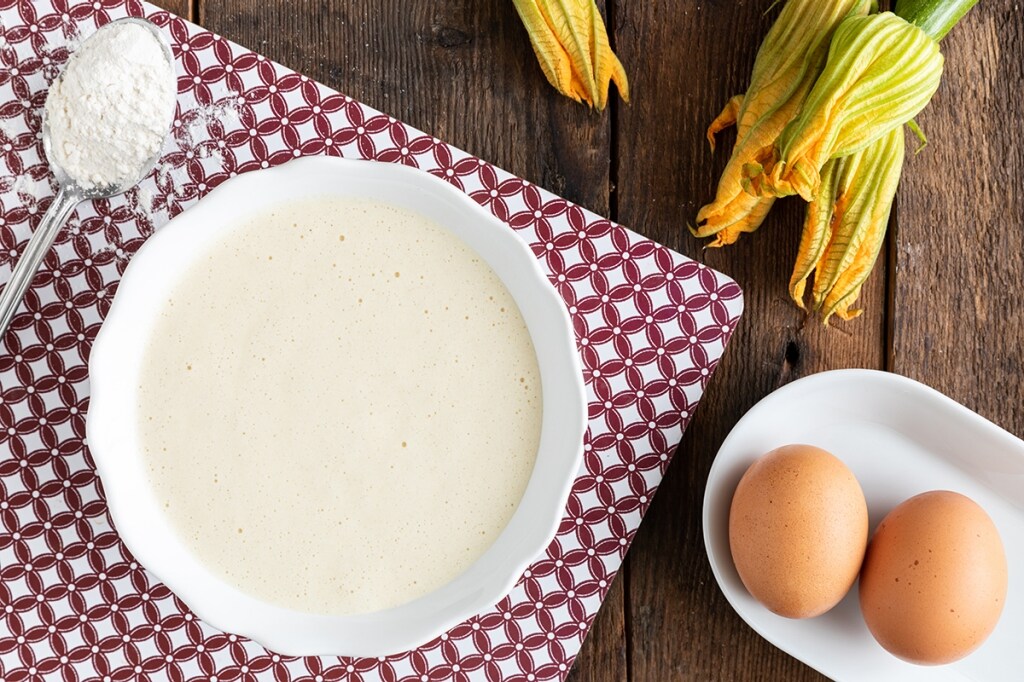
column 958, row 324
column 685, row 59
column 459, row 69
column 463, row 71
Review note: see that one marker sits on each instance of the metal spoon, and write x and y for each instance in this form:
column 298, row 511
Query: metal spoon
column 68, row 197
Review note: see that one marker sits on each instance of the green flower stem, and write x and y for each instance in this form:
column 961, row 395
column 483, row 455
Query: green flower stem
column 934, row 17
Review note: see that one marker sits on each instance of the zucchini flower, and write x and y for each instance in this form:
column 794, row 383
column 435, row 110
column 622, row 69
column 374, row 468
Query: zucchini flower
column 845, row 226
column 881, row 72
column 789, row 61
column 571, row 43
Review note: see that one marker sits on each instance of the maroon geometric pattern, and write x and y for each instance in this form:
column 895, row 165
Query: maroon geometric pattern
column 74, row 605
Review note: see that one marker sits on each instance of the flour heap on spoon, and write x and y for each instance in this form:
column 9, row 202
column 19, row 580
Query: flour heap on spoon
column 110, row 110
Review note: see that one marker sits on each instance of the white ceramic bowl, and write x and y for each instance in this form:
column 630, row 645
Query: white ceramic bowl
column 113, row 422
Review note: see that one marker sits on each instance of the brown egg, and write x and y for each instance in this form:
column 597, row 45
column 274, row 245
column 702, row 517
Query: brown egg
column 798, row 527
column 934, row 579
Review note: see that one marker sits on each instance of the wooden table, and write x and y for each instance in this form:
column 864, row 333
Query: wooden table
column 944, row 305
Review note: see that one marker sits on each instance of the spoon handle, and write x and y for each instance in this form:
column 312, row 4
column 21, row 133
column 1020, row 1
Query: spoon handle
column 27, row 266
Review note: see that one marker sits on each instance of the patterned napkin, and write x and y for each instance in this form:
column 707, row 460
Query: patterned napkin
column 74, row 605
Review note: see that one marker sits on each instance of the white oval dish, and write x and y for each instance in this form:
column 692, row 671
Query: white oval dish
column 900, row 438
column 113, row 433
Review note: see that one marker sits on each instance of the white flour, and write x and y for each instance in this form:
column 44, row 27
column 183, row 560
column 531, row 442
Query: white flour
column 111, row 108
column 28, row 188
column 198, row 136
column 195, row 137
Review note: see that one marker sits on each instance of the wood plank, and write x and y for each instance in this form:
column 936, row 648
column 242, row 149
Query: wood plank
column 183, row 8
column 958, row 321
column 686, row 59
column 463, row 71
column 460, row 70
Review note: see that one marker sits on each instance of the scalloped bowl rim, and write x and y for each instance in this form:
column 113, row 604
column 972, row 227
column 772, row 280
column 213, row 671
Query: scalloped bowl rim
column 113, row 437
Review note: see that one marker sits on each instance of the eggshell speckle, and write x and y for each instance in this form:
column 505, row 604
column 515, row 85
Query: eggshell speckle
column 934, row 579
column 798, row 526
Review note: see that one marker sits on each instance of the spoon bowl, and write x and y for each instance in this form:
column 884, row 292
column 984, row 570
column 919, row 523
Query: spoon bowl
column 70, row 193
